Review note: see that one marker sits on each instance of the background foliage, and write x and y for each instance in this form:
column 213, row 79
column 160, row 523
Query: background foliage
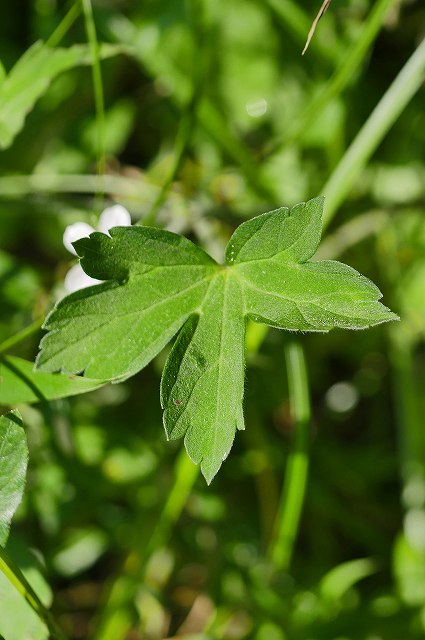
column 212, row 116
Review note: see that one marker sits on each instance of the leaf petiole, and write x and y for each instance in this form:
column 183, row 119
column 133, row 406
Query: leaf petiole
column 295, row 481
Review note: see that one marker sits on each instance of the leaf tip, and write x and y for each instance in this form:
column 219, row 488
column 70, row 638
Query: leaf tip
column 393, row 317
column 208, row 474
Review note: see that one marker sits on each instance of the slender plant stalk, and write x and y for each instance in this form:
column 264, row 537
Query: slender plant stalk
column 293, row 16
column 181, row 145
column 295, row 481
column 186, row 474
column 64, row 25
column 22, row 335
column 385, row 114
column 267, row 484
column 188, row 120
column 98, row 90
column 16, row 186
column 19, row 581
column 116, row 618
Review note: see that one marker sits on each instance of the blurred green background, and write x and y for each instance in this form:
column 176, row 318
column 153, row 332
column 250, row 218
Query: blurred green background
column 211, row 116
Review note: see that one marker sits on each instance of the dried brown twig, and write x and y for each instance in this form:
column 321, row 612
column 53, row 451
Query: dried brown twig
column 322, row 11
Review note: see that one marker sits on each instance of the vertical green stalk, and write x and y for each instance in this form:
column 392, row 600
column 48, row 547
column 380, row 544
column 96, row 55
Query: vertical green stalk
column 295, row 481
column 98, row 89
column 267, row 485
column 182, row 142
column 382, row 118
column 407, row 394
column 116, row 619
column 19, row 581
column 186, row 474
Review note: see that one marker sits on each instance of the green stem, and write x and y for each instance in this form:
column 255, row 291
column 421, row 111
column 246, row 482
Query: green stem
column 186, row 474
column 19, row 581
column 64, row 25
column 181, row 145
column 221, row 132
column 407, row 394
column 98, row 89
column 295, row 481
column 351, row 233
column 21, row 335
column 188, row 120
column 391, row 105
column 116, row 618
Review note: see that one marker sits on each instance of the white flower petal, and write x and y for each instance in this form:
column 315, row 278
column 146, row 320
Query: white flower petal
column 77, row 279
column 116, row 216
column 74, row 232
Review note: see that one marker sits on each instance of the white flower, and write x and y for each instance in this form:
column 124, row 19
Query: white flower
column 116, row 216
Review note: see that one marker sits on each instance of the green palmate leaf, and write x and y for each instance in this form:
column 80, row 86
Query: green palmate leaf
column 31, row 76
column 202, row 384
column 156, row 280
column 284, row 290
column 158, row 283
column 20, row 383
column 13, row 466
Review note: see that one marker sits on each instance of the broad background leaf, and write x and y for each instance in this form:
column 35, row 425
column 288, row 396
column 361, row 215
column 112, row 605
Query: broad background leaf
column 157, row 281
column 282, row 289
column 20, row 383
column 202, row 383
column 18, row 621
column 13, row 467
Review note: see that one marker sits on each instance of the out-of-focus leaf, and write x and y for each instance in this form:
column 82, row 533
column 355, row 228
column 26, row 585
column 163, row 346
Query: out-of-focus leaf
column 412, row 299
column 119, row 121
column 13, row 467
column 30, row 78
column 18, row 283
column 20, row 383
column 121, row 465
column 80, row 551
column 344, row 576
